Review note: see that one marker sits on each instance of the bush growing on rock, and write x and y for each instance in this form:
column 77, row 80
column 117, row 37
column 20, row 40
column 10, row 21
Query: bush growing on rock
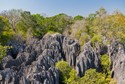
column 78, row 17
column 6, row 31
column 105, row 63
column 67, row 74
column 64, row 70
column 73, row 76
column 92, row 77
column 96, row 39
column 3, row 51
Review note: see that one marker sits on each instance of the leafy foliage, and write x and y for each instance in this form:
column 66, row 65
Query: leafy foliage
column 99, row 27
column 13, row 16
column 105, row 63
column 78, row 17
column 3, row 51
column 58, row 23
column 92, row 77
column 73, row 76
column 5, row 31
column 96, row 39
column 64, row 69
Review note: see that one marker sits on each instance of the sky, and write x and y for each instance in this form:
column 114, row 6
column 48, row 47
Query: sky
column 70, row 7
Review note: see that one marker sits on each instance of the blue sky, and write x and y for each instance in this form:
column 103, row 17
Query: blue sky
column 70, row 7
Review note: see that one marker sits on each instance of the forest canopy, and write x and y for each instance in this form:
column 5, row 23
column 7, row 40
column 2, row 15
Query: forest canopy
column 99, row 26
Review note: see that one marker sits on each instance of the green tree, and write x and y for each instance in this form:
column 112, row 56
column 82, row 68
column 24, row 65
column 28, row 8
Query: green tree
column 31, row 25
column 64, row 69
column 59, row 23
column 90, row 18
column 72, row 76
column 13, row 16
column 92, row 77
column 105, row 63
column 101, row 12
column 3, row 51
column 5, row 30
column 96, row 39
column 78, row 17
column 25, row 23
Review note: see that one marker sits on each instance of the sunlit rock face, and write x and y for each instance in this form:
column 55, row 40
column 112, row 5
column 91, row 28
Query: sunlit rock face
column 88, row 58
column 117, row 58
column 35, row 63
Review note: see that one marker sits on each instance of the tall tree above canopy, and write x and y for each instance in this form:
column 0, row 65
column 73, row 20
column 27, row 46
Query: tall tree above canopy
column 78, row 17
column 101, row 12
column 61, row 22
column 13, row 17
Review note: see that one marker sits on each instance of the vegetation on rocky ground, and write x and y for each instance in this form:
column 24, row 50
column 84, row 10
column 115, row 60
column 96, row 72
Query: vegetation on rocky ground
column 69, row 75
column 100, row 28
column 3, row 51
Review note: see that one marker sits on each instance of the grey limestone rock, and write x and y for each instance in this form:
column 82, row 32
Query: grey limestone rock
column 35, row 63
column 117, row 58
column 88, row 58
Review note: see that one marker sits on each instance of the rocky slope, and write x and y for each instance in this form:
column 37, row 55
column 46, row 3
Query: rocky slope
column 35, row 63
column 117, row 57
column 88, row 58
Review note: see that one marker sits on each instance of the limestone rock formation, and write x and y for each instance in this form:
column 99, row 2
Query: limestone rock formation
column 35, row 63
column 117, row 58
column 88, row 58
column 16, row 48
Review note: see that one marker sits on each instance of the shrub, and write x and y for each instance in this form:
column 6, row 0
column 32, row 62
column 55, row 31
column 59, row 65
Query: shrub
column 84, row 39
column 92, row 77
column 72, row 77
column 96, row 39
column 3, row 51
column 105, row 63
column 78, row 17
column 64, row 69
